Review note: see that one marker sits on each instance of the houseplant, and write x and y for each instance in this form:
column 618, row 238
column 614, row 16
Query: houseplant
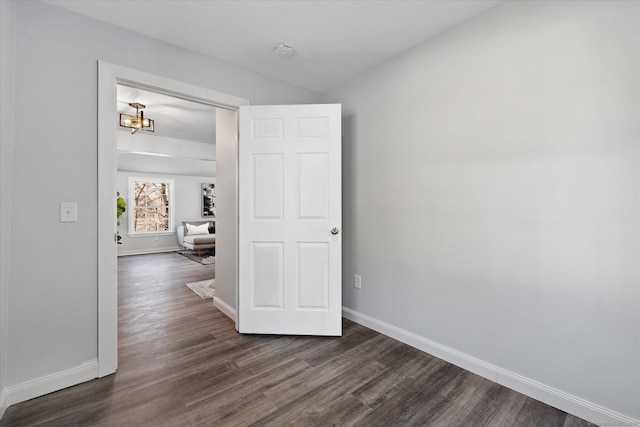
column 121, row 207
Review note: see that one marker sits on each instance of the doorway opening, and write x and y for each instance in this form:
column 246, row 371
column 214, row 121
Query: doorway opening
column 109, row 77
column 162, row 170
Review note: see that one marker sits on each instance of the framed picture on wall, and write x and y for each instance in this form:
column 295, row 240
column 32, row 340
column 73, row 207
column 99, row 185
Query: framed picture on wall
column 208, row 200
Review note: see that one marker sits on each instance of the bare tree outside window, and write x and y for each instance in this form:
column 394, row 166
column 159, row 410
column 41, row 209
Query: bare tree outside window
column 151, row 206
column 151, row 211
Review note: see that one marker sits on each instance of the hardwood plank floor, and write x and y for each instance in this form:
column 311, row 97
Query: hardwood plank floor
column 183, row 364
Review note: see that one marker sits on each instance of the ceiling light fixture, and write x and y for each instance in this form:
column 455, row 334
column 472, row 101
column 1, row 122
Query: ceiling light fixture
column 137, row 122
column 282, row 50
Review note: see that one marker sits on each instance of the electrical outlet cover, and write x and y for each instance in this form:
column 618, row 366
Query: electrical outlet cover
column 68, row 212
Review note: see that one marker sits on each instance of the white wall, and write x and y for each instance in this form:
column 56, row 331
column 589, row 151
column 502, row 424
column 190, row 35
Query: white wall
column 53, row 278
column 226, row 211
column 491, row 194
column 7, row 136
column 188, row 207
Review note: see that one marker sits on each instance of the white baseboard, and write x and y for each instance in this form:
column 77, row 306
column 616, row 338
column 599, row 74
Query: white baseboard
column 3, row 402
column 544, row 393
column 225, row 308
column 149, row 251
column 50, row 383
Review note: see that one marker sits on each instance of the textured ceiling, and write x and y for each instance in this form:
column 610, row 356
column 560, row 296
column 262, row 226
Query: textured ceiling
column 334, row 40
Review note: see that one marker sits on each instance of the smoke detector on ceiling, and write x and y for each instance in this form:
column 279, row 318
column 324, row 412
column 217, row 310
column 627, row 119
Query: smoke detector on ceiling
column 282, row 50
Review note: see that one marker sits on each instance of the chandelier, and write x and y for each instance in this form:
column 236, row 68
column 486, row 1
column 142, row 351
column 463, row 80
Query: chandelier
column 137, row 122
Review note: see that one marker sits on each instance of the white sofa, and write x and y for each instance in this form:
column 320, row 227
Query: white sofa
column 197, row 242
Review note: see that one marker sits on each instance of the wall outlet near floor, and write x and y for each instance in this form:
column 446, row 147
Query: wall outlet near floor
column 357, row 282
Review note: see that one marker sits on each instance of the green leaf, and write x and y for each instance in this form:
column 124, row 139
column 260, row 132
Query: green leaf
column 121, row 206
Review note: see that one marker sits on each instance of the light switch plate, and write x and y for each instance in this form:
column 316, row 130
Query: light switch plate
column 68, row 212
column 357, row 282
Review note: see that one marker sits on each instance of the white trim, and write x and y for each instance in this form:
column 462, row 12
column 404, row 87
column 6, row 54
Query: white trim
column 40, row 386
column 3, row 402
column 149, row 251
column 564, row 401
column 135, row 235
column 225, row 308
column 107, row 261
column 557, row 398
column 109, row 75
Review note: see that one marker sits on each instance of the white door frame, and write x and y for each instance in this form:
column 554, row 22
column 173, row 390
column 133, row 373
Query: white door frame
column 109, row 75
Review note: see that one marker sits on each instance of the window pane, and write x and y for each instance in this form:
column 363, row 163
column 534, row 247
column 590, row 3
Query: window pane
column 150, row 201
column 151, row 219
column 151, row 193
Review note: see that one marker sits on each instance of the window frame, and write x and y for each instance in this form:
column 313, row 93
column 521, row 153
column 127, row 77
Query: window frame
column 131, row 207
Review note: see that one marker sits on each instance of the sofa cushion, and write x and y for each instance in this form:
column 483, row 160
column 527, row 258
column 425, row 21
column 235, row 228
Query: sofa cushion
column 193, row 230
column 211, row 224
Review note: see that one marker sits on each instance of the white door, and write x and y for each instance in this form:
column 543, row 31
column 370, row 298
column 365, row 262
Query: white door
column 290, row 225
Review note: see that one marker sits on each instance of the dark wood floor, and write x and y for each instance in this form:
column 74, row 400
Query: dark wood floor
column 183, row 364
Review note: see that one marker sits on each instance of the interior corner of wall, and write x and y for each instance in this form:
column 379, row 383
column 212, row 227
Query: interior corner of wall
column 225, row 308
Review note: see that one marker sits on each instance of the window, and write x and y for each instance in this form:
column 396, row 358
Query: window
column 151, row 205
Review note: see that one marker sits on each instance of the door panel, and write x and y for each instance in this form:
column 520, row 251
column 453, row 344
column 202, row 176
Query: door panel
column 268, row 129
column 313, row 186
column 268, row 186
column 267, row 280
column 313, row 276
column 290, row 264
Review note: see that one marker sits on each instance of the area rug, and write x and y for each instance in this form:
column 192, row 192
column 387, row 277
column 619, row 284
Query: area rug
column 206, row 258
column 205, row 289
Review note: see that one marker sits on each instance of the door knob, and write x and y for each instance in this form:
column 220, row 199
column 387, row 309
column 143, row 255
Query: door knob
column 334, row 231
